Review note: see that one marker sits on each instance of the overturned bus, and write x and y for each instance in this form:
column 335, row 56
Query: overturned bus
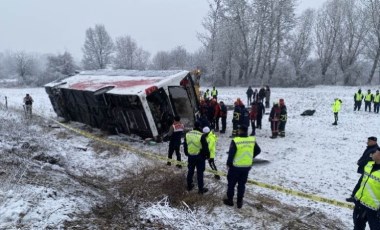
column 126, row 101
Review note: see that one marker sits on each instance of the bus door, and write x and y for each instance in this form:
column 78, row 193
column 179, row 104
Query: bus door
column 182, row 105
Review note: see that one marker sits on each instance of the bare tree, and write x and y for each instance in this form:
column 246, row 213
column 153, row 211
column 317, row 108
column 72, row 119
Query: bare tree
column 178, row 58
column 97, row 48
column 161, row 61
column 61, row 63
column 300, row 42
column 329, row 21
column 352, row 33
column 23, row 65
column 125, row 50
column 373, row 39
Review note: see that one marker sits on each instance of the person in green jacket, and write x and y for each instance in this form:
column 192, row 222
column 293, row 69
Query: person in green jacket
column 336, row 108
column 211, row 139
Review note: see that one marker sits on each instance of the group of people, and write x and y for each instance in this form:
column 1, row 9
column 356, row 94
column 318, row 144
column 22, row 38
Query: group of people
column 200, row 145
column 254, row 95
column 368, row 98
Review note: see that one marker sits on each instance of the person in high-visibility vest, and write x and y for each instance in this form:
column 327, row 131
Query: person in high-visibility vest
column 214, row 93
column 211, row 139
column 358, row 98
column 196, row 150
column 175, row 134
column 336, row 108
column 367, row 198
column 240, row 159
column 368, row 98
column 376, row 102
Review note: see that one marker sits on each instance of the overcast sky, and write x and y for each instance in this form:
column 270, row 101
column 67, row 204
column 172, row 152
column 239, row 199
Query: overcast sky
column 55, row 26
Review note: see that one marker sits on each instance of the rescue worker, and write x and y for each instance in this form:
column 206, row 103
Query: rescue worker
column 216, row 115
column 206, row 95
column 376, row 102
column 211, row 139
column 367, row 198
column 214, row 93
column 223, row 115
column 362, row 162
column 236, row 117
column 240, row 159
column 196, row 150
column 358, row 98
column 28, row 102
column 336, row 108
column 283, row 118
column 368, row 98
column 175, row 134
column 274, row 119
column 253, row 117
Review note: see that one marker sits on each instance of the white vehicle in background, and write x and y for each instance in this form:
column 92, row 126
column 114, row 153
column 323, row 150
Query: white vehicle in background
column 127, row 101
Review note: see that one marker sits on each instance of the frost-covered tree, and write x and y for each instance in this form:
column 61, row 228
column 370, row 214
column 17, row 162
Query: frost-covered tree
column 128, row 55
column 97, row 49
column 24, row 64
column 161, row 61
column 300, row 43
column 61, row 63
column 179, row 58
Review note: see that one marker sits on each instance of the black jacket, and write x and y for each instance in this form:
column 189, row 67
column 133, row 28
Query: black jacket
column 362, row 162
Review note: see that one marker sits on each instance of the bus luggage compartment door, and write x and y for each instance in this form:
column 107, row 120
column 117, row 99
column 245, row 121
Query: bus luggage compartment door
column 182, row 106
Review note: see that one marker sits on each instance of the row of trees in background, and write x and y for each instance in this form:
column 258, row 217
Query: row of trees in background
column 263, row 42
column 252, row 42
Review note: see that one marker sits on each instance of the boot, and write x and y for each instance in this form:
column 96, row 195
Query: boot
column 190, row 187
column 239, row 203
column 228, row 202
column 203, row 190
column 335, row 123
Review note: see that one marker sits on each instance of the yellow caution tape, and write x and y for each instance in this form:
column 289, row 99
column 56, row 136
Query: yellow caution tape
column 220, row 173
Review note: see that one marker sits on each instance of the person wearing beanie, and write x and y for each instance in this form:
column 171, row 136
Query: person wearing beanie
column 283, row 118
column 336, row 108
column 240, row 159
column 358, row 98
column 367, row 198
column 175, row 134
column 363, row 160
column 196, row 149
column 211, row 139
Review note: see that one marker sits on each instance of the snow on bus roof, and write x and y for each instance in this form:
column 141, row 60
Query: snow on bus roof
column 124, row 82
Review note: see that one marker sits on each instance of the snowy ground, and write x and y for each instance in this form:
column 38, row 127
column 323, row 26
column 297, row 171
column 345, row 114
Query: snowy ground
column 314, row 157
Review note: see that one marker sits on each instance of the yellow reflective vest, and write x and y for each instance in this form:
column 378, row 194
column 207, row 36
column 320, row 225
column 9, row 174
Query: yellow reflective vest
column 211, row 141
column 358, row 96
column 245, row 147
column 369, row 191
column 368, row 97
column 377, row 98
column 214, row 92
column 336, row 106
column 193, row 141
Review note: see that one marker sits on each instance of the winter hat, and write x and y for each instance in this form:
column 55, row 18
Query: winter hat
column 372, row 138
column 206, row 129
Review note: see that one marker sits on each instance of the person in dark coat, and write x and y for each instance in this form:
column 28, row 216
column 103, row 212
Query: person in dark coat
column 236, row 117
column 175, row 134
column 267, row 96
column 223, row 116
column 367, row 198
column 240, row 159
column 274, row 119
column 253, row 117
column 283, row 118
column 260, row 113
column 262, row 94
column 196, row 149
column 363, row 160
column 249, row 95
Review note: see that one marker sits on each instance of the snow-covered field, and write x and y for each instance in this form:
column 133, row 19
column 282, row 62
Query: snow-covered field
column 315, row 157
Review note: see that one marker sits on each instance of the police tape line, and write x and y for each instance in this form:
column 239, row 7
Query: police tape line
column 220, row 173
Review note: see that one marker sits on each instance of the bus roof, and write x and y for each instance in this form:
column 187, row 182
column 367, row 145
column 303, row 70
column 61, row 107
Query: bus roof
column 123, row 82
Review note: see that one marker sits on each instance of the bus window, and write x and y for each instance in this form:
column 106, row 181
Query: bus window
column 162, row 113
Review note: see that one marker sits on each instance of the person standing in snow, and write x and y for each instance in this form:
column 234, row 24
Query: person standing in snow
column 260, row 113
column 211, row 139
column 28, row 102
column 376, row 102
column 283, row 118
column 214, row 93
column 267, row 96
column 175, row 134
column 274, row 119
column 196, row 150
column 358, row 98
column 362, row 162
column 367, row 198
column 336, row 108
column 223, row 115
column 249, row 95
column 368, row 99
column 240, row 159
